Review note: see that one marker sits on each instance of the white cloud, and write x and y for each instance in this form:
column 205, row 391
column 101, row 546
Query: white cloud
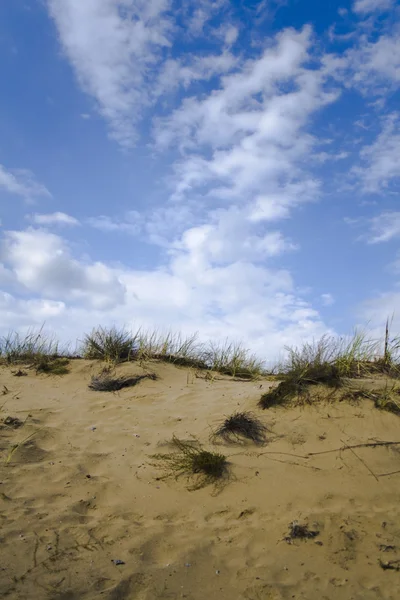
column 252, row 129
column 369, row 6
column 112, row 46
column 22, row 183
column 376, row 310
column 42, row 264
column 245, row 162
column 380, row 161
column 183, row 72
column 384, row 227
column 327, row 299
column 22, row 314
column 227, row 238
column 131, row 223
column 373, row 67
column 230, row 34
column 203, row 11
column 192, row 292
column 57, row 218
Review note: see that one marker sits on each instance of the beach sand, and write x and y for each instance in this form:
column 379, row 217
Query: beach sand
column 79, row 489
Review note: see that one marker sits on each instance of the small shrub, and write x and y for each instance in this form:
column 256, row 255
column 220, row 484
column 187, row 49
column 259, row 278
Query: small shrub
column 191, row 460
column 112, row 344
column 108, row 383
column 242, row 425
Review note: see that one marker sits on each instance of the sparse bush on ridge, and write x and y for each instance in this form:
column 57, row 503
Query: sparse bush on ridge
column 329, row 363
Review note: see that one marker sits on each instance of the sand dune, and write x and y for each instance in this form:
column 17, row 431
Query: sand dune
column 79, row 491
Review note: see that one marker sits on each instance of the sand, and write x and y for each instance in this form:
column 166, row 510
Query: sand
column 82, row 491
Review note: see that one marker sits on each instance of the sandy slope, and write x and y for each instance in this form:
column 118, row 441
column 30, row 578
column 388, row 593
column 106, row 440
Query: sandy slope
column 73, row 498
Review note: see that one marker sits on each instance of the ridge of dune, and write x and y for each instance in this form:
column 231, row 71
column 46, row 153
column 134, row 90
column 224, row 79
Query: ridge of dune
column 80, row 492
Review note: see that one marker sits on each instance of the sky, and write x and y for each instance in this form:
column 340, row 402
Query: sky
column 229, row 167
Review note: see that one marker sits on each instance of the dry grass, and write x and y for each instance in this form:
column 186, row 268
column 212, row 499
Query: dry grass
column 108, row 383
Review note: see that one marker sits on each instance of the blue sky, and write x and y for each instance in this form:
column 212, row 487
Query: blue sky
column 226, row 167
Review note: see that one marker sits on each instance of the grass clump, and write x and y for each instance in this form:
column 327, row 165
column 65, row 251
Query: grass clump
column 384, row 398
column 231, row 358
column 191, row 460
column 52, row 366
column 115, row 345
column 110, row 344
column 282, row 394
column 227, row 358
column 387, row 399
column 242, row 425
column 327, row 362
column 171, row 347
column 108, row 383
column 29, row 348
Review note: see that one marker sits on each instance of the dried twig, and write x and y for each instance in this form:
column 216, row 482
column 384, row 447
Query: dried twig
column 283, row 453
column 361, row 460
column 387, row 474
column 290, row 462
column 369, row 445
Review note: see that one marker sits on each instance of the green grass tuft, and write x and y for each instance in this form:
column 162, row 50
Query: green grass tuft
column 192, row 461
column 110, row 344
column 230, row 358
column 242, row 425
column 32, row 347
